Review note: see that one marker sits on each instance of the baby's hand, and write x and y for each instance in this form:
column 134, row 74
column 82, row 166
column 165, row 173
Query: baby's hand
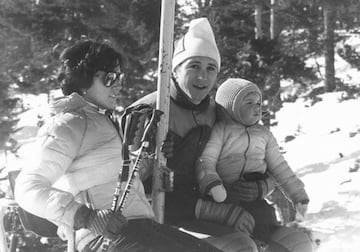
column 301, row 210
column 218, row 193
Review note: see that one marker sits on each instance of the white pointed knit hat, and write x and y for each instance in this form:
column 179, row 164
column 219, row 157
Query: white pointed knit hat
column 198, row 41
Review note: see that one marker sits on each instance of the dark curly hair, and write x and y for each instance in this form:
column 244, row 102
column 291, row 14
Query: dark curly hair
column 81, row 61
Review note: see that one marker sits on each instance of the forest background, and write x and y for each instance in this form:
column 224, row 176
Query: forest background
column 265, row 41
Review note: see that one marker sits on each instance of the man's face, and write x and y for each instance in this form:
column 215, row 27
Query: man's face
column 196, row 76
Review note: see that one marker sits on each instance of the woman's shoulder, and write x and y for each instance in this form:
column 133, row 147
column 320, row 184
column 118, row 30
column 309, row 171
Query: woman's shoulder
column 67, row 123
column 74, row 118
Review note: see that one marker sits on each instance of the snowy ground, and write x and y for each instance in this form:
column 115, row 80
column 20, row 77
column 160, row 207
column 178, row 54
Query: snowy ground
column 323, row 152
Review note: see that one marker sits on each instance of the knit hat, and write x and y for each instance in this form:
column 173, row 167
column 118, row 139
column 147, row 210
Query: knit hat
column 198, row 41
column 230, row 94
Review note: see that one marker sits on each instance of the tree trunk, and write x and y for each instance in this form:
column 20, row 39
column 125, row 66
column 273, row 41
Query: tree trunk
column 274, row 25
column 258, row 19
column 329, row 26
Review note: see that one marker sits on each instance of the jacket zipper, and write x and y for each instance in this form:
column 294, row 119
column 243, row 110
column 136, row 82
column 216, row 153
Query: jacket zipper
column 245, row 154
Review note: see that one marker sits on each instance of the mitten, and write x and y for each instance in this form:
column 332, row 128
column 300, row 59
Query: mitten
column 230, row 214
column 218, row 193
column 101, row 222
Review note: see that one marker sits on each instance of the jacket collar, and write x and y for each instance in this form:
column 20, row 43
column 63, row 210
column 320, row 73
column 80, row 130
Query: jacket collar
column 73, row 102
column 179, row 97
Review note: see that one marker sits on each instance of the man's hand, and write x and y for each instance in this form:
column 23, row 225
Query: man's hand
column 167, row 146
column 250, row 190
column 229, row 214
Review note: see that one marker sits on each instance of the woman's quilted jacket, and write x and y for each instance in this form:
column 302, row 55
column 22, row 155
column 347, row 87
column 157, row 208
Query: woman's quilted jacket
column 77, row 162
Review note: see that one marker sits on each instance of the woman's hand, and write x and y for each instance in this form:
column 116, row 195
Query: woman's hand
column 101, row 222
column 107, row 223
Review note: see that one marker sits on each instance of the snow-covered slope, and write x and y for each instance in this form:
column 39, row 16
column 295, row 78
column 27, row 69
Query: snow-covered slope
column 323, row 152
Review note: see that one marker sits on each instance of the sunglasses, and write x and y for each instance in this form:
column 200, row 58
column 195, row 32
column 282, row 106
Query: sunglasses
column 111, row 78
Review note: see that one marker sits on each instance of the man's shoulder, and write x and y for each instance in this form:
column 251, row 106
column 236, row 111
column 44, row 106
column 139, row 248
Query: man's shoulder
column 221, row 114
column 149, row 99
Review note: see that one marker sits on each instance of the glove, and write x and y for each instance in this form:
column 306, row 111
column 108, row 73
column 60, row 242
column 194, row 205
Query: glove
column 230, row 214
column 167, row 146
column 218, row 193
column 243, row 190
column 106, row 223
column 101, row 222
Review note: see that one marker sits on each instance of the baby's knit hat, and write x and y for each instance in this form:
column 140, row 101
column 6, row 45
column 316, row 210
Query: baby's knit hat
column 198, row 41
column 230, row 94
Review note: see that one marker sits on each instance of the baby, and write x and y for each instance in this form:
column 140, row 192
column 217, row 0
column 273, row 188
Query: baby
column 241, row 150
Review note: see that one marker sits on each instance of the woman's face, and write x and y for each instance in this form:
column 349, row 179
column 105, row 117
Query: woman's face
column 196, row 76
column 104, row 92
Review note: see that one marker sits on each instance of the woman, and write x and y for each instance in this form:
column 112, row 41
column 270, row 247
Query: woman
column 74, row 177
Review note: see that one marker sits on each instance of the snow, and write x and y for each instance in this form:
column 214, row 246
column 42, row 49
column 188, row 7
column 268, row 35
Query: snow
column 36, row 109
column 325, row 149
column 323, row 153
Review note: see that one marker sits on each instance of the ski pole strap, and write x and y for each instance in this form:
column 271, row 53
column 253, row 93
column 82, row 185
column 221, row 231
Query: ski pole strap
column 125, row 148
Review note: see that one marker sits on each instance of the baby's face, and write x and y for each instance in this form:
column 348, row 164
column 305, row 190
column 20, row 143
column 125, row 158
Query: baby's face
column 250, row 109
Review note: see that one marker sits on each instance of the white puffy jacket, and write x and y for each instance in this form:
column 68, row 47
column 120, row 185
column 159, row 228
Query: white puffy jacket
column 234, row 150
column 77, row 162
